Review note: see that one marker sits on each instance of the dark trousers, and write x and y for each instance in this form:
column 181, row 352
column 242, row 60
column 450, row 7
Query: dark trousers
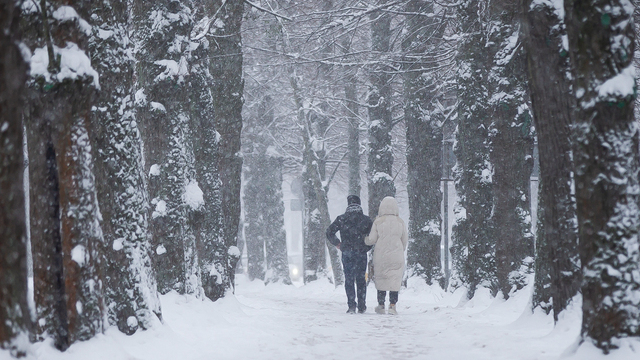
column 393, row 297
column 355, row 266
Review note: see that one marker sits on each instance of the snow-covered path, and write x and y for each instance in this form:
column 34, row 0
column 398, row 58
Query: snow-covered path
column 288, row 322
column 311, row 323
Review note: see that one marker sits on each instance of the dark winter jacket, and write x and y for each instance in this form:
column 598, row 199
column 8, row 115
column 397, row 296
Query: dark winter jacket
column 353, row 226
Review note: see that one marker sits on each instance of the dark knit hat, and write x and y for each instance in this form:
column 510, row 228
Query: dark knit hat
column 353, row 199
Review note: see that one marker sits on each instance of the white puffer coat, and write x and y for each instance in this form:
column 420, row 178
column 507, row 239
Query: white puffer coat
column 389, row 235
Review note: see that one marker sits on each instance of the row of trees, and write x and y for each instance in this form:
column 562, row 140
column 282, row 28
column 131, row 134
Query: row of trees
column 131, row 113
column 502, row 74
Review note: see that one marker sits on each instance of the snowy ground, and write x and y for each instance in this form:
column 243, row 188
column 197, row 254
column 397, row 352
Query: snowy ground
column 289, row 322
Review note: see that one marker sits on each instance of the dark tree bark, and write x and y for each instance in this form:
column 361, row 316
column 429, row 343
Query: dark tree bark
column 512, row 147
column 227, row 89
column 130, row 283
column 162, row 98
column 208, row 219
column 380, row 160
column 601, row 42
column 473, row 248
column 15, row 320
column 65, row 231
column 557, row 263
column 424, row 142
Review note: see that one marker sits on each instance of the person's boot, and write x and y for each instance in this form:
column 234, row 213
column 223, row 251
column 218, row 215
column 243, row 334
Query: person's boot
column 351, row 310
column 392, row 310
column 380, row 309
column 362, row 310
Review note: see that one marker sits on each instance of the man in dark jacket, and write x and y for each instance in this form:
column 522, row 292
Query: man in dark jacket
column 354, row 226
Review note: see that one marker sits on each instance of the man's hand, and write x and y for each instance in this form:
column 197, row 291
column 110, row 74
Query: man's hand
column 338, row 246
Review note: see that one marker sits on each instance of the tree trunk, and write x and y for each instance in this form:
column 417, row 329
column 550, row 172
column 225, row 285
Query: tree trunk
column 209, row 217
column 263, row 201
column 557, row 262
column 255, row 233
column 512, row 148
column 473, row 248
column 352, row 114
column 15, row 320
column 227, row 89
column 380, row 122
column 264, row 211
column 276, row 244
column 424, row 143
column 601, row 42
column 130, row 283
column 66, row 235
column 163, row 115
column 351, row 95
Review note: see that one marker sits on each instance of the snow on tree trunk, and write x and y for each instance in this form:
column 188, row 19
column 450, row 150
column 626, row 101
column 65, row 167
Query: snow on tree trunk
column 82, row 241
column 380, row 160
column 15, row 321
column 65, row 230
column 512, row 147
column 207, row 217
column 226, row 90
column 473, row 245
column 130, row 283
column 601, row 43
column 557, row 261
column 162, row 97
column 424, row 142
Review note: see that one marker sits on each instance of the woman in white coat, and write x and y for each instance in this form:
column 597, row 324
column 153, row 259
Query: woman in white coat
column 389, row 235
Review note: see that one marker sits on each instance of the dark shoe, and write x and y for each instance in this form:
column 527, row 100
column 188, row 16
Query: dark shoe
column 362, row 310
column 351, row 311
